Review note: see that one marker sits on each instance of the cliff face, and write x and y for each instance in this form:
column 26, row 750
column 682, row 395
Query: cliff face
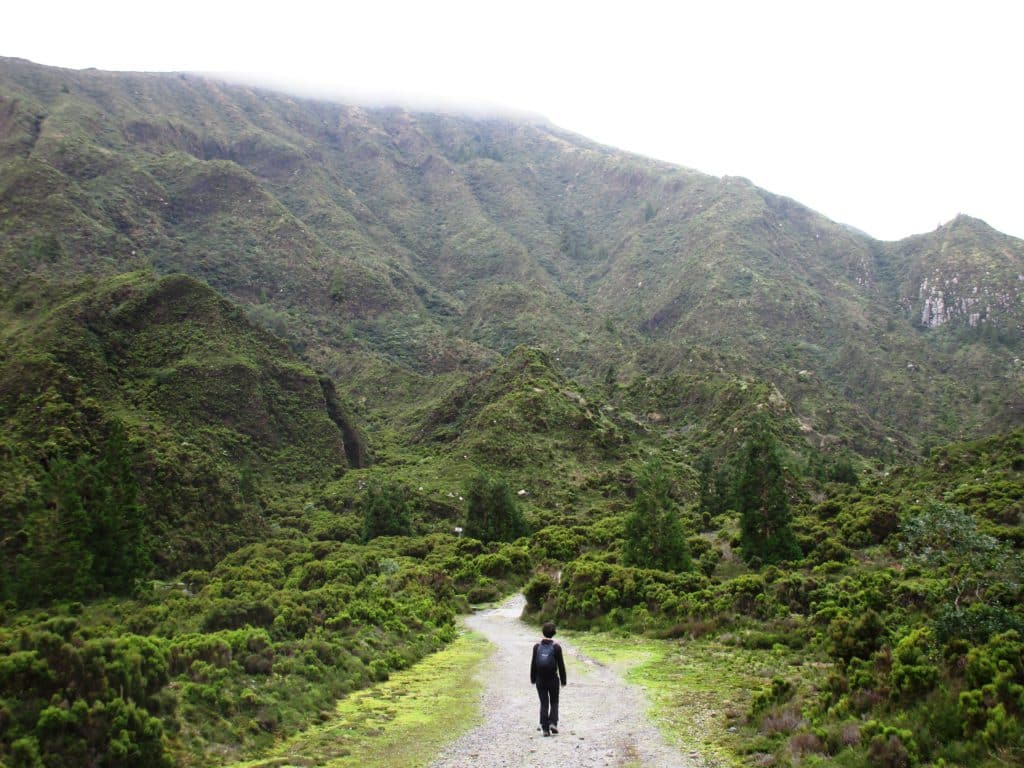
column 966, row 274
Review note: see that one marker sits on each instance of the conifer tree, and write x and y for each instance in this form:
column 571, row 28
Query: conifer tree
column 655, row 537
column 117, row 536
column 386, row 512
column 706, row 485
column 762, row 501
column 84, row 534
column 492, row 513
column 54, row 561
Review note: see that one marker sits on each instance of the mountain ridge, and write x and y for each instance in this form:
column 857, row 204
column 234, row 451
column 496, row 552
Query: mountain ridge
column 416, row 244
column 295, row 357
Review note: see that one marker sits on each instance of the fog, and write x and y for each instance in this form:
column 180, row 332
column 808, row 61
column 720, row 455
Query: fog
column 890, row 117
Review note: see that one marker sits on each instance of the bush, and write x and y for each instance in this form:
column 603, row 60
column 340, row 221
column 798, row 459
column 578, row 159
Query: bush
column 483, row 593
column 103, row 692
column 591, row 589
column 991, row 708
column 856, row 637
column 914, row 671
column 889, row 751
column 830, row 550
column 333, row 610
column 555, row 543
column 537, row 591
column 779, row 692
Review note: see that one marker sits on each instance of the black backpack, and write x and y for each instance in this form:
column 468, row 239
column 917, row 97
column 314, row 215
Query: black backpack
column 545, row 658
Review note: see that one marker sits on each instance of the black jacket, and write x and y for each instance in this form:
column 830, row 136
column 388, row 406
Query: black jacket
column 558, row 658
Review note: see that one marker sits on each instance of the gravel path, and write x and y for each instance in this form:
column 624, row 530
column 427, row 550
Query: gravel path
column 601, row 722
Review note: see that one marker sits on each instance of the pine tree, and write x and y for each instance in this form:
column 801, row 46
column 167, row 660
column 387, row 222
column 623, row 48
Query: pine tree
column 386, row 512
column 762, row 501
column 117, row 534
column 706, row 485
column 492, row 513
column 54, row 561
column 725, row 489
column 84, row 535
column 655, row 537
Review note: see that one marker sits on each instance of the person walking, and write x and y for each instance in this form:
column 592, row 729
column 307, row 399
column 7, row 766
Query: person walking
column 547, row 670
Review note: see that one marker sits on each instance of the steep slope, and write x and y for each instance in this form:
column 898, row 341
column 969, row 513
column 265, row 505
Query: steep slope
column 965, row 277
column 219, row 415
column 388, row 246
column 524, row 412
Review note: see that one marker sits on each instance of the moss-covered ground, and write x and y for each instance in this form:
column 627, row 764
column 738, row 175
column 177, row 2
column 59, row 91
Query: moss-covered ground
column 699, row 690
column 400, row 723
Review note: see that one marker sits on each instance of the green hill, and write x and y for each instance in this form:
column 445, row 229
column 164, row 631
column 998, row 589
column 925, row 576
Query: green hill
column 387, row 243
column 218, row 416
column 265, row 358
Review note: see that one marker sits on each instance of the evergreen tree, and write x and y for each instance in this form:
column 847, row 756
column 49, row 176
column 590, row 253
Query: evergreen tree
column 117, row 534
column 492, row 513
column 84, row 534
column 724, row 484
column 54, row 561
column 655, row 537
column 706, row 485
column 386, row 512
column 763, row 504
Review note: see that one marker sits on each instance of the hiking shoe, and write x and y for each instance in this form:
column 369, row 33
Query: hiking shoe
column 554, row 729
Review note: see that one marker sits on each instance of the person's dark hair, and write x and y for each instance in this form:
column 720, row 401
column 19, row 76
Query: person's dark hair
column 548, row 629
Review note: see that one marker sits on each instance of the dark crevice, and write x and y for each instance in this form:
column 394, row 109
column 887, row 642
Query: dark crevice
column 356, row 451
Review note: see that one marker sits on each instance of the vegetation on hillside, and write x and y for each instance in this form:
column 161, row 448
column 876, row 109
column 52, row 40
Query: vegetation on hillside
column 385, row 244
column 285, row 386
column 147, row 412
column 910, row 594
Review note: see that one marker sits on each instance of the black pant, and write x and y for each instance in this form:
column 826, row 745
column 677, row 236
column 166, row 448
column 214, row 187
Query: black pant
column 547, row 689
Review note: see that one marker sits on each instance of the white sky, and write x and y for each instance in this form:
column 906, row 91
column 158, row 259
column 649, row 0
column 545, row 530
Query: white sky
column 890, row 116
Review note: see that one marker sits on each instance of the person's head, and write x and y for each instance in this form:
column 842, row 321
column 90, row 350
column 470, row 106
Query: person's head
column 548, row 629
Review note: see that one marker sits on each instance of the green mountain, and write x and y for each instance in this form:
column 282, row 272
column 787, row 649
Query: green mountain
column 385, row 244
column 265, row 359
column 219, row 416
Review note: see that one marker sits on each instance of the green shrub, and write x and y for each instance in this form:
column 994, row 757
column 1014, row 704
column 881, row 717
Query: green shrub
column 914, row 670
column 779, row 692
column 992, row 707
column 537, row 591
column 591, row 589
column 555, row 543
column 976, row 623
column 830, row 550
column 857, row 637
column 890, row 751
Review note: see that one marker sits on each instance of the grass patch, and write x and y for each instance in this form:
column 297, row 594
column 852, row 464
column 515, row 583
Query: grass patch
column 697, row 690
column 400, row 723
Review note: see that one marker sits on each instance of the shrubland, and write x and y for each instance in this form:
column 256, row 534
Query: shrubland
column 908, row 592
column 262, row 357
column 899, row 586
column 229, row 660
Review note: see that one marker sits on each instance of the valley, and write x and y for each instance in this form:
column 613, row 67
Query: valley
column 289, row 388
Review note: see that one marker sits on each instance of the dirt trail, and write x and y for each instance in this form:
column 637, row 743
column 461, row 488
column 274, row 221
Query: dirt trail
column 602, row 720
